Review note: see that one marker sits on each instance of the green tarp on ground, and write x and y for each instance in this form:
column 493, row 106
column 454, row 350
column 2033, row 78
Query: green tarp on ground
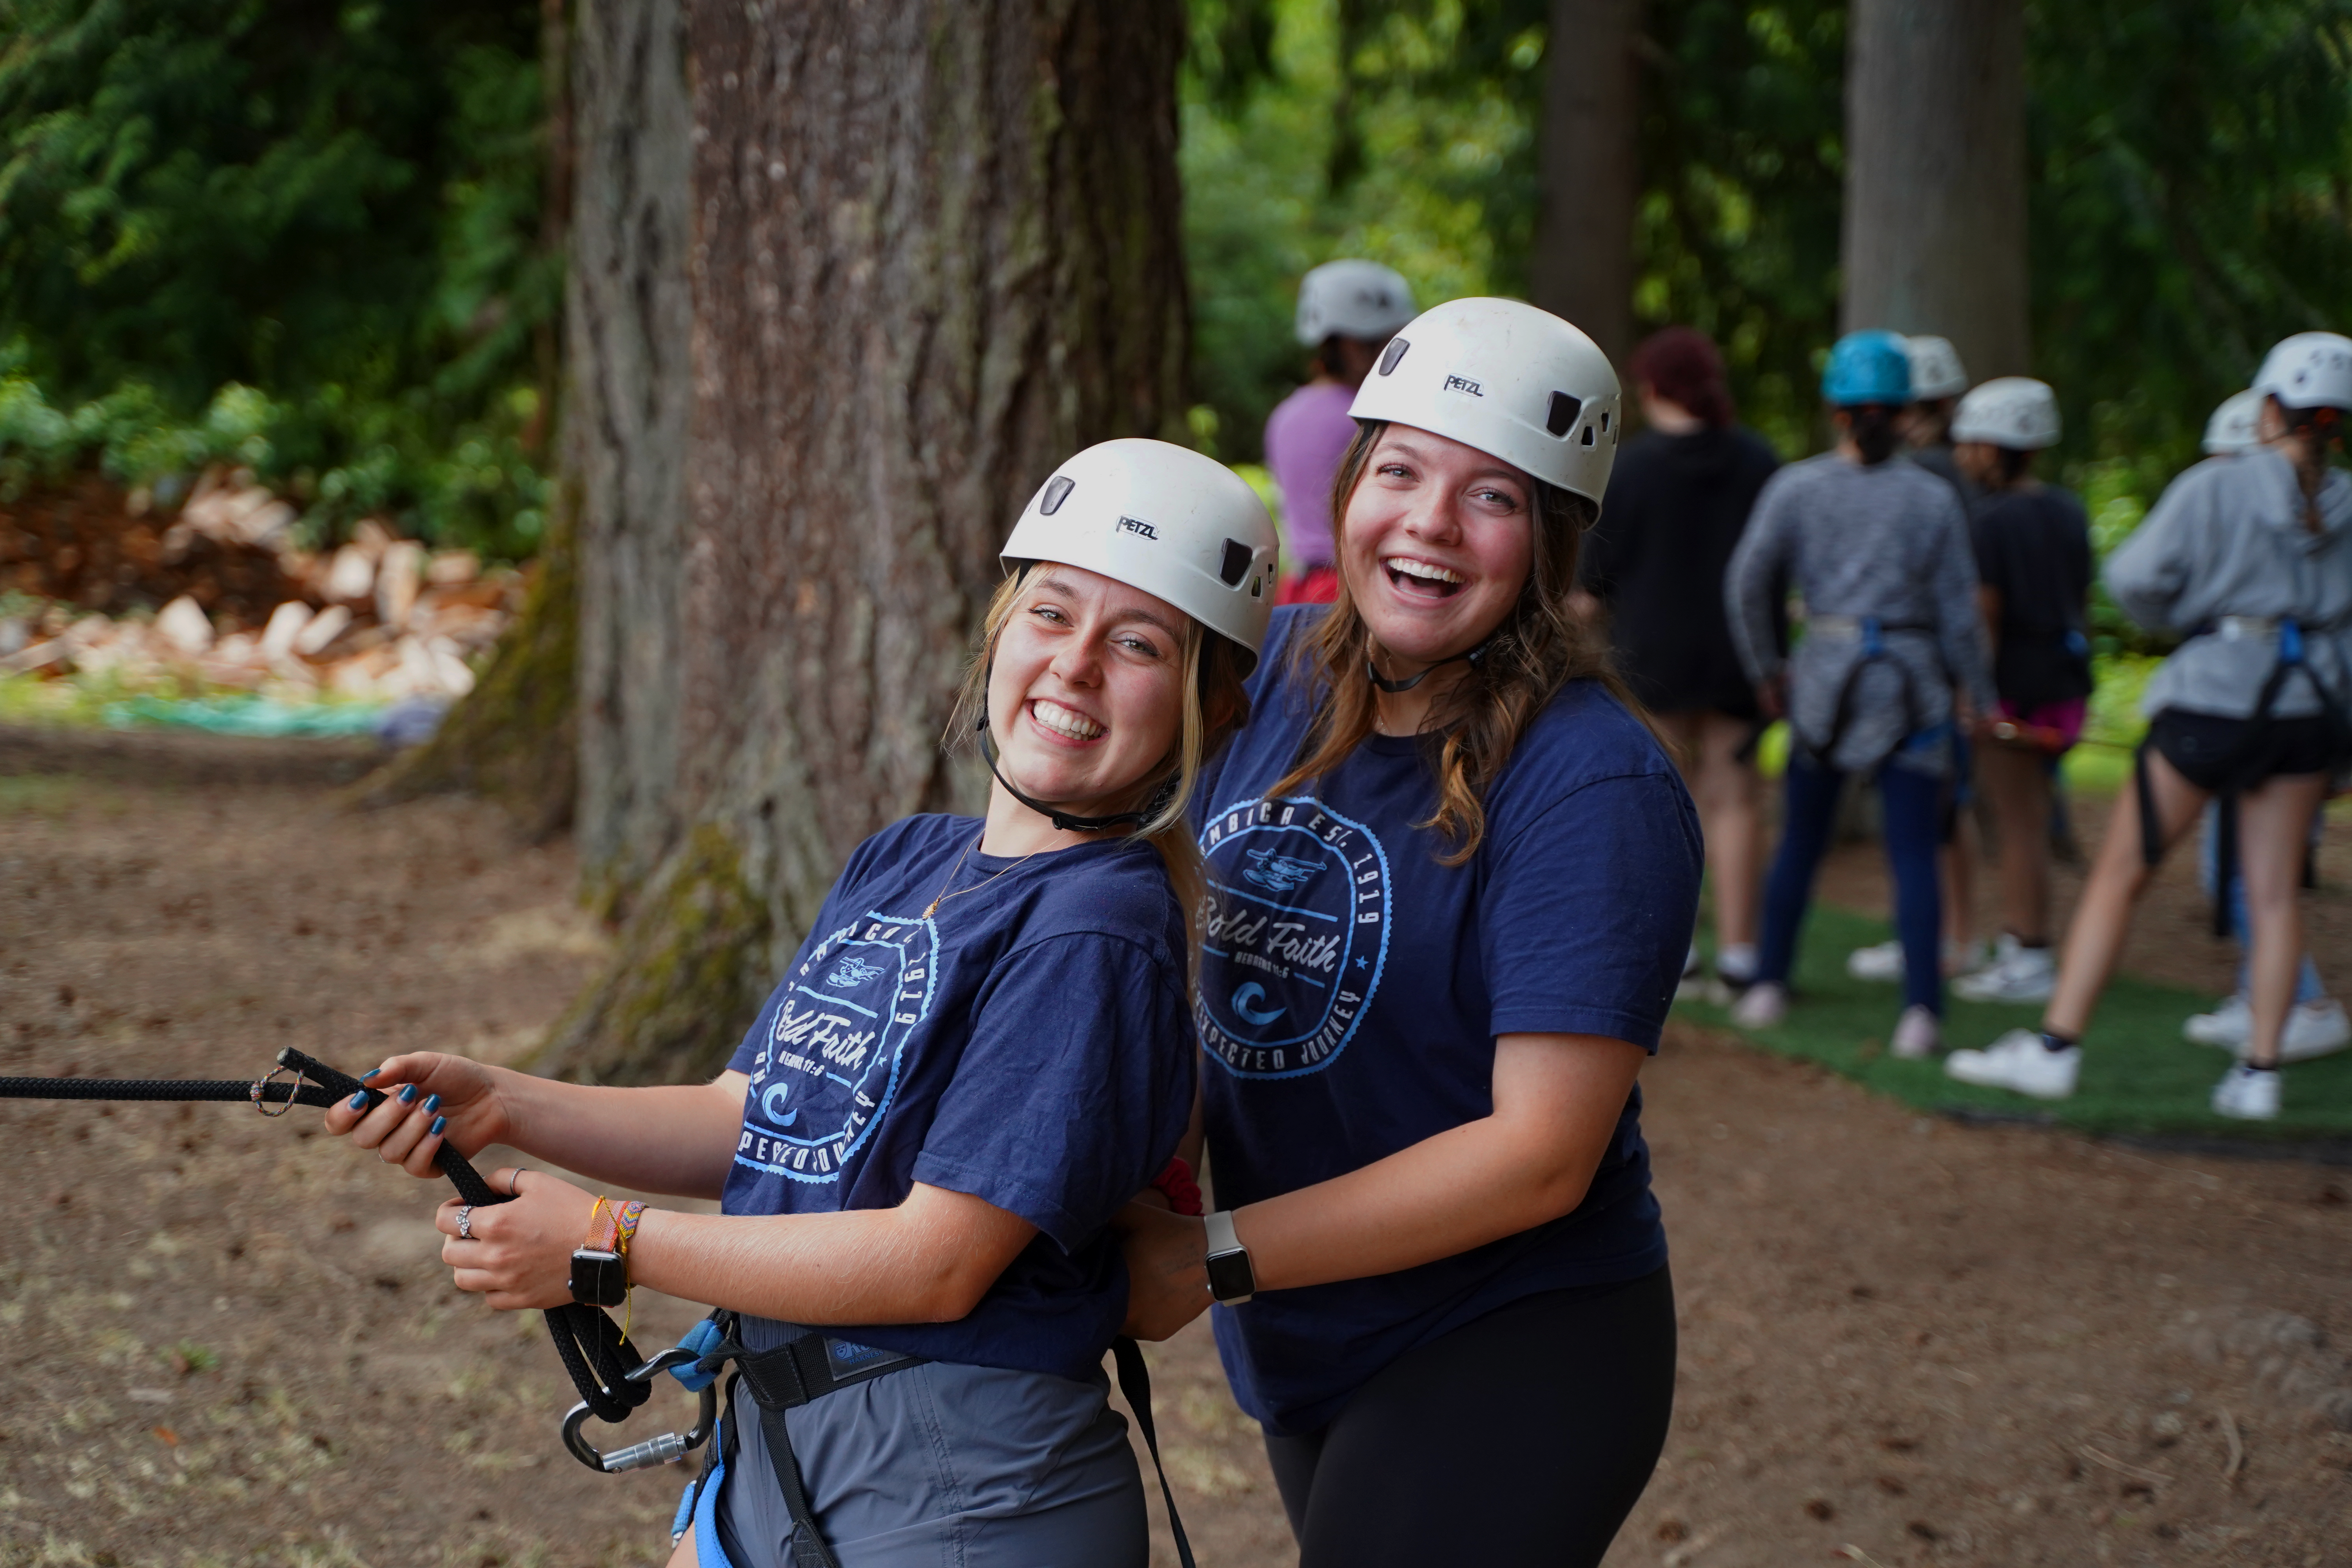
column 2139, row 1074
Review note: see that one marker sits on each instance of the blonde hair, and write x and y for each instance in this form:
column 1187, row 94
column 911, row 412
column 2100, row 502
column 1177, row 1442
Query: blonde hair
column 1540, row 647
column 1213, row 707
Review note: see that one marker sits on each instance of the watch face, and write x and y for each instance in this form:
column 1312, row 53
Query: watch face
column 1231, row 1277
column 598, row 1278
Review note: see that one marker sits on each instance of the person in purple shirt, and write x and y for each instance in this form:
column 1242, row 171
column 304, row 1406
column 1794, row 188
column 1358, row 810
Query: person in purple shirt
column 1347, row 310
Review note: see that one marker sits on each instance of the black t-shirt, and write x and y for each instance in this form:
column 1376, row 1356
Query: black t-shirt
column 2033, row 548
column 1677, row 506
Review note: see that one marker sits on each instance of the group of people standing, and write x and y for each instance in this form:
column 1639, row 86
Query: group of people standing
column 1370, row 908
column 1942, row 648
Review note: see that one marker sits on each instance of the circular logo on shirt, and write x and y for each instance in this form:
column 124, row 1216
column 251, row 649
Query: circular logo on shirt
column 1294, row 937
column 827, row 1069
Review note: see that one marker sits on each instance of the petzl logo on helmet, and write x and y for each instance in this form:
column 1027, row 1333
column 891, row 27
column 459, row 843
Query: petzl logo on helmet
column 1135, row 525
column 1294, row 937
column 1460, row 384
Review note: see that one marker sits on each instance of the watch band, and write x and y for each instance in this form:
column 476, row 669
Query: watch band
column 1231, row 1280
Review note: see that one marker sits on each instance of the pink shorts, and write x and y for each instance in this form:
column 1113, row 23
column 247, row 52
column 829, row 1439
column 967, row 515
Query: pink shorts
column 2065, row 717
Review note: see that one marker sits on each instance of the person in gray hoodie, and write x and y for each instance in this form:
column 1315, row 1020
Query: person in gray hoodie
column 2252, row 561
column 1878, row 548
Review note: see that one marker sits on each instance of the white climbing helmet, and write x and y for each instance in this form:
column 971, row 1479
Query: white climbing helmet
column 2236, row 426
column 1512, row 381
column 2012, row 411
column 1935, row 368
column 1164, row 518
column 2309, row 369
column 1353, row 299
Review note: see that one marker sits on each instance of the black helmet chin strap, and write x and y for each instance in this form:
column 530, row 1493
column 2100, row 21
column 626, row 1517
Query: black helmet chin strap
column 1063, row 821
column 1409, row 681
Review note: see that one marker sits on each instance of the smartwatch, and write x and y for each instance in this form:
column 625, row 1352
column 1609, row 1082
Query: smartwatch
column 1231, row 1278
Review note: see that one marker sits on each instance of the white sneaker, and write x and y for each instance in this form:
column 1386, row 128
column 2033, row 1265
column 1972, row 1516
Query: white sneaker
column 2315, row 1028
column 1917, row 1033
column 2019, row 1061
column 2226, row 1026
column 1762, row 1005
column 2245, row 1095
column 1883, row 961
column 2019, row 974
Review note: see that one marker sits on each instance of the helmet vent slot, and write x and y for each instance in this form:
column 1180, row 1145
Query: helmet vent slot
column 1236, row 562
column 1588, row 435
column 1561, row 416
column 1396, row 352
column 1604, row 421
column 1057, row 490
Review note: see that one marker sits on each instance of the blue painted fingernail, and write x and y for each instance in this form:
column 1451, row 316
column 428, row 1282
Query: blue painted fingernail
column 408, row 1094
column 369, row 1074
column 431, row 1103
column 359, row 1101
column 438, row 1123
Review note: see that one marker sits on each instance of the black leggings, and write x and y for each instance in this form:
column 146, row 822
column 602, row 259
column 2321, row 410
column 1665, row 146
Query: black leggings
column 1522, row 1438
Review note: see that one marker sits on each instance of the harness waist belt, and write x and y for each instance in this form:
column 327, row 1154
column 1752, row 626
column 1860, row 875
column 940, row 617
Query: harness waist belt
column 1855, row 625
column 2234, row 629
column 813, row 1367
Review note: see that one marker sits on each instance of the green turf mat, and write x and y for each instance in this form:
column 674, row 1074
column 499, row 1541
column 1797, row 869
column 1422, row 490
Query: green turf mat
column 2139, row 1074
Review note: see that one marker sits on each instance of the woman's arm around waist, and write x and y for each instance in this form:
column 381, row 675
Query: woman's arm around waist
column 1557, row 1101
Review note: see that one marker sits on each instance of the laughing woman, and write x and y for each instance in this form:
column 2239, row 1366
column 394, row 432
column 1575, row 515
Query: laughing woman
column 1452, row 879
column 980, row 1052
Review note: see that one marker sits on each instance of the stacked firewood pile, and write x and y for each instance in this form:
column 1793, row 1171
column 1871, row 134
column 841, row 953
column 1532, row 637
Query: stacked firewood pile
column 220, row 592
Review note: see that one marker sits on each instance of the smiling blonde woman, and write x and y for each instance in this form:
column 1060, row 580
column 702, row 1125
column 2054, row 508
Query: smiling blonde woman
column 981, row 1052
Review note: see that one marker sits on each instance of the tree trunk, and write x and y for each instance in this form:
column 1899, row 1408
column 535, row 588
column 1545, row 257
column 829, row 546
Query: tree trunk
column 936, row 248
column 1589, row 173
column 1934, row 233
column 629, row 321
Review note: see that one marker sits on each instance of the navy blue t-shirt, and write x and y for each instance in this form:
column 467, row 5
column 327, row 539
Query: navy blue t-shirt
column 1028, row 1045
column 1351, row 989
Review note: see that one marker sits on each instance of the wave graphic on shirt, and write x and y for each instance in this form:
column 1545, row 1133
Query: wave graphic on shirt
column 828, row 1067
column 1294, row 937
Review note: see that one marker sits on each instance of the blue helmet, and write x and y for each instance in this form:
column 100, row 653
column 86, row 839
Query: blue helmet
column 1867, row 367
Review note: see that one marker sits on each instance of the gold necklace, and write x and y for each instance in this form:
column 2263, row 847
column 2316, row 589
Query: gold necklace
column 932, row 908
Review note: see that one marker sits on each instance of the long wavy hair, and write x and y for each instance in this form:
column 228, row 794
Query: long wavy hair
column 1540, row 647
column 1214, row 706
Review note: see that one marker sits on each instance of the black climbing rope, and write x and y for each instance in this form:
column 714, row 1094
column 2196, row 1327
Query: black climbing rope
column 595, row 1351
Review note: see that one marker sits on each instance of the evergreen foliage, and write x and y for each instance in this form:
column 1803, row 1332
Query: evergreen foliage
column 313, row 225
column 2189, row 203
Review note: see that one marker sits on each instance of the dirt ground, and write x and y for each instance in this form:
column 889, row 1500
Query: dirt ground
column 1904, row 1342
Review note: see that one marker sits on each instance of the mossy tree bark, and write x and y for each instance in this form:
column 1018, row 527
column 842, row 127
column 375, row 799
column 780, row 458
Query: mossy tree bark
column 936, row 248
column 1934, row 237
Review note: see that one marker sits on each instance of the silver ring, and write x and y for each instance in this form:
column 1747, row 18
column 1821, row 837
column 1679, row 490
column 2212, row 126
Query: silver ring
column 465, row 1222
column 514, row 1182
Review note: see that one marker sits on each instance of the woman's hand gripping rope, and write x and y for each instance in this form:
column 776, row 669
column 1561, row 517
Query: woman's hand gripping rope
column 429, row 1098
column 519, row 1253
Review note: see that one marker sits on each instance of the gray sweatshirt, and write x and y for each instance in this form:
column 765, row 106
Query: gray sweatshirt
column 1887, row 542
column 2227, row 539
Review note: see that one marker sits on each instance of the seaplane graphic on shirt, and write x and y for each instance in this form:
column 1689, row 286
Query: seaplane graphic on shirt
column 852, row 971
column 1278, row 873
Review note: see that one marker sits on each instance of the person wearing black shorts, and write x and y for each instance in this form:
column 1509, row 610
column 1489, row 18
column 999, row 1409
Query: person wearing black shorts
column 2252, row 561
column 1452, row 879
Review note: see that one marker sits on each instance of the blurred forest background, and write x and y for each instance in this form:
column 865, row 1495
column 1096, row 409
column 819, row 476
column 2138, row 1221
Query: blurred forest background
column 315, row 237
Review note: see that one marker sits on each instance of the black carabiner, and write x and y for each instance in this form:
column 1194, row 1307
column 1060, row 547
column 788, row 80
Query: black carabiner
column 669, row 1448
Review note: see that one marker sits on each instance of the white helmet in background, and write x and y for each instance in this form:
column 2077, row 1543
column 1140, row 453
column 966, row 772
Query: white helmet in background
column 2236, row 426
column 1164, row 518
column 1935, row 368
column 1512, row 381
column 1354, row 300
column 2012, row 411
column 2309, row 369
